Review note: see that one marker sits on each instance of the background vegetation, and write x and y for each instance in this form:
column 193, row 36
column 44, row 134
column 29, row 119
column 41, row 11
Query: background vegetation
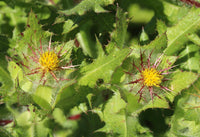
column 102, row 39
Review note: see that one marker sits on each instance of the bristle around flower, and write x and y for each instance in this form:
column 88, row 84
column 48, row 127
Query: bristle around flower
column 46, row 62
column 150, row 76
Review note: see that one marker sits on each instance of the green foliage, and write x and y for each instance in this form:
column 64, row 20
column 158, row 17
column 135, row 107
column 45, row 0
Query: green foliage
column 43, row 96
column 177, row 35
column 87, row 5
column 182, row 123
column 101, row 46
column 102, row 68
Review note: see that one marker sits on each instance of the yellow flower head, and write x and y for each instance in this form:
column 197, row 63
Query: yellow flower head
column 49, row 61
column 150, row 76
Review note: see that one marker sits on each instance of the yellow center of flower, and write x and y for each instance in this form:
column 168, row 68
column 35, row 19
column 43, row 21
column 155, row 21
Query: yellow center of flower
column 151, row 77
column 49, row 61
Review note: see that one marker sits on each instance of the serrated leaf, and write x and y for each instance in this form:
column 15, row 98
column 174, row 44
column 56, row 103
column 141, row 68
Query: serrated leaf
column 159, row 43
column 177, row 35
column 87, row 5
column 119, row 35
column 43, row 97
column 102, row 68
column 186, row 118
column 180, row 81
column 32, row 35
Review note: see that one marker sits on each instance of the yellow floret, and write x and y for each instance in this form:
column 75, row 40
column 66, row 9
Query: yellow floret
column 49, row 61
column 151, row 77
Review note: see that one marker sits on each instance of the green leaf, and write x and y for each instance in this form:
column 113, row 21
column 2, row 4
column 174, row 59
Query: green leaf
column 117, row 121
column 68, row 26
column 24, row 119
column 73, row 94
column 26, row 85
column 32, row 35
column 194, row 38
column 134, row 107
column 30, row 124
column 186, row 118
column 102, row 68
column 190, row 58
column 161, row 27
column 177, row 35
column 16, row 74
column 43, row 97
column 87, row 5
column 114, row 115
column 144, row 38
column 4, row 132
column 86, row 42
column 138, row 14
column 6, row 81
column 100, row 51
column 59, row 116
column 15, row 71
column 180, row 81
column 119, row 35
column 159, row 43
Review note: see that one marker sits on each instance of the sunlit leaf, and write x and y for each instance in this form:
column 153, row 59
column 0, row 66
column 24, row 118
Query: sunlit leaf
column 102, row 68
column 177, row 35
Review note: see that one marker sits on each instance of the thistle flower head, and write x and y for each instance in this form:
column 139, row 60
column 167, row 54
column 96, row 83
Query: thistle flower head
column 150, row 76
column 45, row 61
column 49, row 61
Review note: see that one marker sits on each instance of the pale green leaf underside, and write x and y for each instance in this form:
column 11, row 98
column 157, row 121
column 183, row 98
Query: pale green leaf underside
column 102, row 68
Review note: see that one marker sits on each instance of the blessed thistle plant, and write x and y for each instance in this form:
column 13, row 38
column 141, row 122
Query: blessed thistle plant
column 46, row 61
column 150, row 76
